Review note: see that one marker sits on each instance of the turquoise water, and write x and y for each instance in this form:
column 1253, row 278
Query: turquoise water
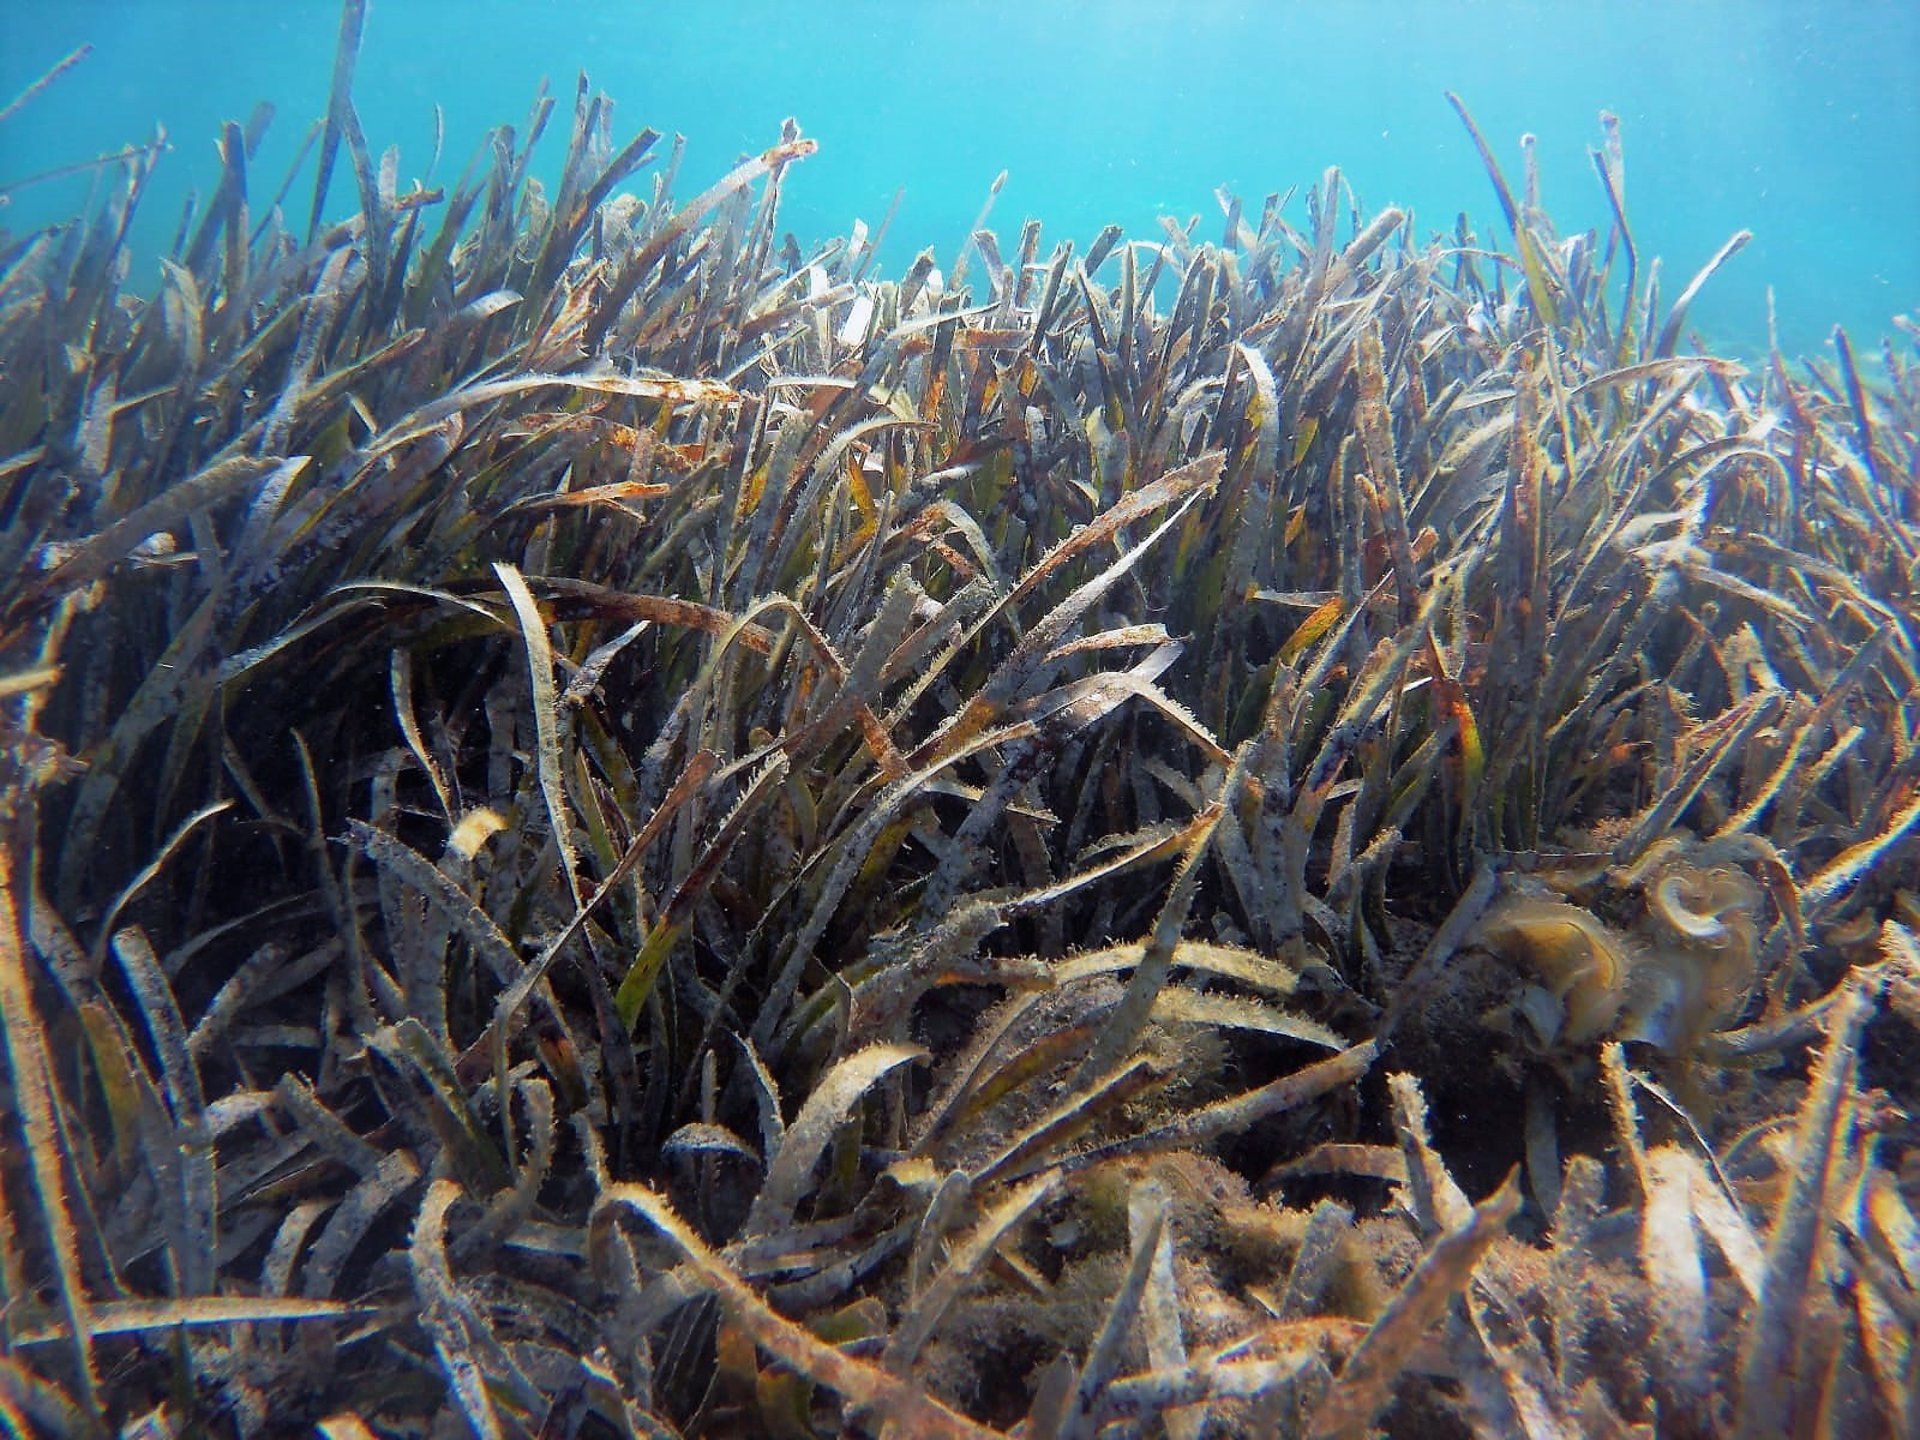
column 1800, row 122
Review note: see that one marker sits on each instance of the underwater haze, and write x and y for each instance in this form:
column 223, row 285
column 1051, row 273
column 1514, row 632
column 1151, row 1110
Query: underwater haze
column 1798, row 122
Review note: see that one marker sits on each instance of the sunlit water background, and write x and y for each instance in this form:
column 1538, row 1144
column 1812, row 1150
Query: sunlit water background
column 1798, row 121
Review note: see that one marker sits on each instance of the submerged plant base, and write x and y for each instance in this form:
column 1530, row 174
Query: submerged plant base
column 615, row 829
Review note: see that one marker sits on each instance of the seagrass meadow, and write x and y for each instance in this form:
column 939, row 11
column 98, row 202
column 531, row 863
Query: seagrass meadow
column 613, row 828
